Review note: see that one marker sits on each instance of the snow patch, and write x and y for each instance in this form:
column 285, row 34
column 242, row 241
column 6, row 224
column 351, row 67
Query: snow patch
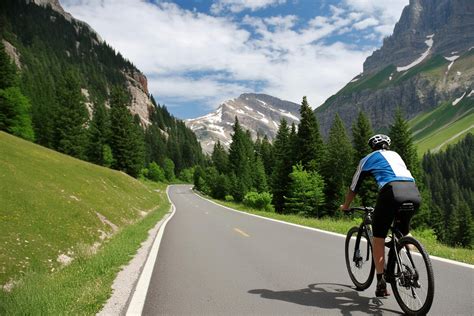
column 248, row 108
column 391, row 76
column 240, row 111
column 459, row 99
column 264, row 120
column 458, row 73
column 288, row 114
column 429, row 43
column 216, row 129
column 470, row 93
column 355, row 79
column 262, row 102
column 451, row 59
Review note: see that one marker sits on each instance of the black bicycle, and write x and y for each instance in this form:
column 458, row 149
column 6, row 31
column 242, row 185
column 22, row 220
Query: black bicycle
column 408, row 271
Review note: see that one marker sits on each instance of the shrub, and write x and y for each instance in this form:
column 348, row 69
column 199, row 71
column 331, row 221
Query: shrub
column 229, row 198
column 260, row 201
column 155, row 173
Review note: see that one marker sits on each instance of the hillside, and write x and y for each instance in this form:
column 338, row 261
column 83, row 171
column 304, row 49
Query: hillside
column 447, row 124
column 426, row 63
column 55, row 207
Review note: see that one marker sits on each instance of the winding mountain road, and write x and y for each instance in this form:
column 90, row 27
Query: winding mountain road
column 213, row 260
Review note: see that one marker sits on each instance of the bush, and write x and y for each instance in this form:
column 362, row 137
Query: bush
column 229, row 198
column 186, row 175
column 260, row 201
column 155, row 173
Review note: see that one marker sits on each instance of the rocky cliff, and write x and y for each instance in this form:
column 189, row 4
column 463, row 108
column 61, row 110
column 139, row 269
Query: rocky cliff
column 448, row 23
column 429, row 60
column 258, row 113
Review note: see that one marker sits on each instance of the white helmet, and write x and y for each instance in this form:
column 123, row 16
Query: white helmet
column 378, row 139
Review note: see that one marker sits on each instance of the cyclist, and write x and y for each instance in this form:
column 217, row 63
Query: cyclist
column 396, row 187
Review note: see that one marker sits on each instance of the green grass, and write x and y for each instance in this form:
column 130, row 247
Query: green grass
column 341, row 226
column 50, row 205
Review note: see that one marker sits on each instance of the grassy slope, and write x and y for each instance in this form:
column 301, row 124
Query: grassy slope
column 50, row 204
column 445, row 125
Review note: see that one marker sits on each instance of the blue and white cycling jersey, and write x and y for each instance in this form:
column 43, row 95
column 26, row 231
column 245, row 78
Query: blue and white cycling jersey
column 385, row 166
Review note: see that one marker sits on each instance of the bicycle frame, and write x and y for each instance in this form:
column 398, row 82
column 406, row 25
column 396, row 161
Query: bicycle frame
column 363, row 227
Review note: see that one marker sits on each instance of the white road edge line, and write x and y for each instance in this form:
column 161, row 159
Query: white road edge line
column 462, row 264
column 139, row 295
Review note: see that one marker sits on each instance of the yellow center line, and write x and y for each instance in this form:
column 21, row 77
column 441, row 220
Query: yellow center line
column 241, row 232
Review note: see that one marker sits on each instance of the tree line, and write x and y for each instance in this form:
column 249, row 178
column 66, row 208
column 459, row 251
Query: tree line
column 301, row 173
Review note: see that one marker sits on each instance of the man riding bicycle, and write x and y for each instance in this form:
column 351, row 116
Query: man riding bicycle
column 396, row 187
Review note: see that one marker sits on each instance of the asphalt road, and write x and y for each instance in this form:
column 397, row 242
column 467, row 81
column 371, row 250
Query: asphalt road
column 216, row 261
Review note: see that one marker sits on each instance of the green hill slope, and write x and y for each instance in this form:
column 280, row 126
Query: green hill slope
column 446, row 124
column 53, row 206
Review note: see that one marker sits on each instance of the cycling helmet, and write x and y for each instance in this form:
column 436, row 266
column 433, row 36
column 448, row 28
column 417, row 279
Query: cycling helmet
column 377, row 140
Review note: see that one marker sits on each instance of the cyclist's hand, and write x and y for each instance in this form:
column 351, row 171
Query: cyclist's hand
column 344, row 208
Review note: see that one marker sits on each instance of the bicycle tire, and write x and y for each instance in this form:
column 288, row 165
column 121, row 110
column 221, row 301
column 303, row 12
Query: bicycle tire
column 407, row 286
column 359, row 273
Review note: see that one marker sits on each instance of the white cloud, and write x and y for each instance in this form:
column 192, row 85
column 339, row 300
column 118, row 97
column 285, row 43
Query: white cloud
column 386, row 12
column 365, row 23
column 195, row 57
column 236, row 6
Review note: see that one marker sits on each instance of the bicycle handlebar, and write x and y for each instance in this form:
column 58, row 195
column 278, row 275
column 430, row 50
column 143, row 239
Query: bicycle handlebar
column 365, row 209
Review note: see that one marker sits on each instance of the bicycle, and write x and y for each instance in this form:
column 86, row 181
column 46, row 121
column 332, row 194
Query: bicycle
column 409, row 270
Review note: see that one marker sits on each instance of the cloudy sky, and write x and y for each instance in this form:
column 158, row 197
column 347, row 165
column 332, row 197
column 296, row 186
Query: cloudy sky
column 199, row 53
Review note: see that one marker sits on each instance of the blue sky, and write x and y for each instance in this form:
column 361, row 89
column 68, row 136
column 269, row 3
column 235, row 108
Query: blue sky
column 198, row 53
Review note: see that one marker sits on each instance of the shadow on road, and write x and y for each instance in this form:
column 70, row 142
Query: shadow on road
column 328, row 296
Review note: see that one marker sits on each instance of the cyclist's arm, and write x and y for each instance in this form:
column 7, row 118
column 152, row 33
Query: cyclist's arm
column 349, row 198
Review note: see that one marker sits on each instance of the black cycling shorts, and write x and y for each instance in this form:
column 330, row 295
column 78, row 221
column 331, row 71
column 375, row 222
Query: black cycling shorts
column 390, row 199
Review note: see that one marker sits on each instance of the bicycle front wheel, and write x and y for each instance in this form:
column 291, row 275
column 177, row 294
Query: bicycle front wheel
column 413, row 282
column 359, row 261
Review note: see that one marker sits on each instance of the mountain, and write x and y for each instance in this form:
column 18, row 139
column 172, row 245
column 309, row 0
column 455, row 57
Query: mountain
column 258, row 113
column 427, row 62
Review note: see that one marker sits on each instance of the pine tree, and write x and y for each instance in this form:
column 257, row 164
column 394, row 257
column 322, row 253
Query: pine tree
column 220, row 158
column 361, row 132
column 8, row 72
column 402, row 142
column 126, row 141
column 282, row 168
column 71, row 133
column 99, row 135
column 310, row 143
column 14, row 113
column 267, row 156
column 337, row 168
column 240, row 159
column 306, row 192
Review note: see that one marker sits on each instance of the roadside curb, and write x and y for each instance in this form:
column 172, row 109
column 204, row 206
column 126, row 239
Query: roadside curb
column 138, row 297
column 126, row 281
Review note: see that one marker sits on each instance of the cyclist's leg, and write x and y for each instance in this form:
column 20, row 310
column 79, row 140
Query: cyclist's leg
column 383, row 217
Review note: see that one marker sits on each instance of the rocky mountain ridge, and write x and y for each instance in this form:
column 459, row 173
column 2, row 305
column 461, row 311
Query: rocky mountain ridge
column 258, row 113
column 445, row 26
column 428, row 61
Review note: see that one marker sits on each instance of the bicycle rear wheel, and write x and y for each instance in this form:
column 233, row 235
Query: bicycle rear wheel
column 413, row 282
column 359, row 261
